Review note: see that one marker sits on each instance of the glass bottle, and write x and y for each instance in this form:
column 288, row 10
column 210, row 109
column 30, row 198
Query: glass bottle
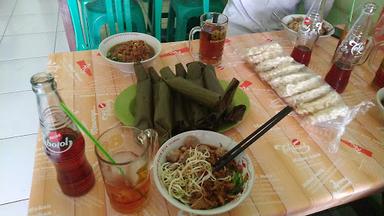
column 63, row 143
column 351, row 49
column 308, row 33
column 378, row 81
column 343, row 34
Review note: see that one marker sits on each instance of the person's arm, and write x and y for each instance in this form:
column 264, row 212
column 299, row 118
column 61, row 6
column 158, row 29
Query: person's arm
column 328, row 6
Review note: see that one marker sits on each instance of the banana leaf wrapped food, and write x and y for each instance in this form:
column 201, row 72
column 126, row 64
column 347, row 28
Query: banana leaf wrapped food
column 193, row 91
column 218, row 116
column 185, row 101
column 180, row 119
column 197, row 111
column 228, row 112
column 163, row 108
column 210, row 80
column 144, row 105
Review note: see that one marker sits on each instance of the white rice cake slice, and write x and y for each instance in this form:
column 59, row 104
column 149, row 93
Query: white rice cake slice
column 281, row 70
column 296, row 88
column 326, row 101
column 268, row 54
column 257, row 50
column 290, row 79
column 308, row 95
column 328, row 114
column 273, row 63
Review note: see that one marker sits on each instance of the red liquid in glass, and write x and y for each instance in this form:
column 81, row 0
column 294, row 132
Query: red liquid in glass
column 379, row 77
column 74, row 174
column 212, row 40
column 301, row 54
column 338, row 77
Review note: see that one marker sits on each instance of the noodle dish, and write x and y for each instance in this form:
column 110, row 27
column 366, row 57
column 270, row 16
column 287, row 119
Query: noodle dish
column 183, row 173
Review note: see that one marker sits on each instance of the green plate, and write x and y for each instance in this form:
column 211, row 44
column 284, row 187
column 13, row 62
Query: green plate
column 125, row 106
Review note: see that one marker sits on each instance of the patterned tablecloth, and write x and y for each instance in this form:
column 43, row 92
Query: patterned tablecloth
column 294, row 174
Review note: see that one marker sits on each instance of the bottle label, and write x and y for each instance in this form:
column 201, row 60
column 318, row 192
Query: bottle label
column 357, row 48
column 318, row 27
column 57, row 142
column 307, row 23
column 354, row 46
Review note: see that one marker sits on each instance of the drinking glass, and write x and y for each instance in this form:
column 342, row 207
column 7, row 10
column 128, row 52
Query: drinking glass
column 213, row 29
column 127, row 179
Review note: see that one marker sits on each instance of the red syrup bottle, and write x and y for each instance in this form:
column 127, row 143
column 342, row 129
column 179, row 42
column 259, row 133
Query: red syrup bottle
column 63, row 143
column 308, row 33
column 351, row 50
column 378, row 81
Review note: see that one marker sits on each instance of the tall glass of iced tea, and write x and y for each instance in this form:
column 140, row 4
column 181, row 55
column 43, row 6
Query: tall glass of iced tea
column 213, row 29
column 127, row 181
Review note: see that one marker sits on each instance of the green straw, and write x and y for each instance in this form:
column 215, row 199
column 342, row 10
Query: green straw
column 95, row 141
column 84, row 129
column 351, row 13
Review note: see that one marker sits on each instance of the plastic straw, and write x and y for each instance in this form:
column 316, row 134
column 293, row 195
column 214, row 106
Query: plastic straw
column 94, row 140
column 84, row 129
column 351, row 13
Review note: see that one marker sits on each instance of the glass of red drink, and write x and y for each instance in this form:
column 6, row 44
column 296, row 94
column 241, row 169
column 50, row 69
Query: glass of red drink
column 213, row 29
column 127, row 181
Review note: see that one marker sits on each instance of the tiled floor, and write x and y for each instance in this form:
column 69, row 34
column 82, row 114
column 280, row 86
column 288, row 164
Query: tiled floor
column 29, row 31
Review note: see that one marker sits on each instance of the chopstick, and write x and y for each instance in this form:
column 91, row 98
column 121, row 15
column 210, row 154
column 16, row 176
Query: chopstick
column 230, row 155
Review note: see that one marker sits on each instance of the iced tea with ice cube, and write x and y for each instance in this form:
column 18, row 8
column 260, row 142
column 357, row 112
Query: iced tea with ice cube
column 212, row 43
column 213, row 30
column 127, row 178
column 128, row 192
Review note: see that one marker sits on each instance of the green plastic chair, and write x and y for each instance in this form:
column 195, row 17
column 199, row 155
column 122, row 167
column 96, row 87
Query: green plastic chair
column 93, row 9
column 101, row 13
column 341, row 9
column 89, row 17
column 182, row 11
column 81, row 36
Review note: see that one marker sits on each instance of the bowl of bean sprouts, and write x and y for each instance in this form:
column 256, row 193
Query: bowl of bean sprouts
column 183, row 173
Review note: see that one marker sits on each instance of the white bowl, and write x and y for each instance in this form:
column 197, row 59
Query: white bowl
column 211, row 138
column 292, row 34
column 379, row 98
column 112, row 40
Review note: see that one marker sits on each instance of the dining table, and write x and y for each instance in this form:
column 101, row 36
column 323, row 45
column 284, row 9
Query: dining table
column 295, row 174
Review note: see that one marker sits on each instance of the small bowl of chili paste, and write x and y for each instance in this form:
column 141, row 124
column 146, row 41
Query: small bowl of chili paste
column 125, row 49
